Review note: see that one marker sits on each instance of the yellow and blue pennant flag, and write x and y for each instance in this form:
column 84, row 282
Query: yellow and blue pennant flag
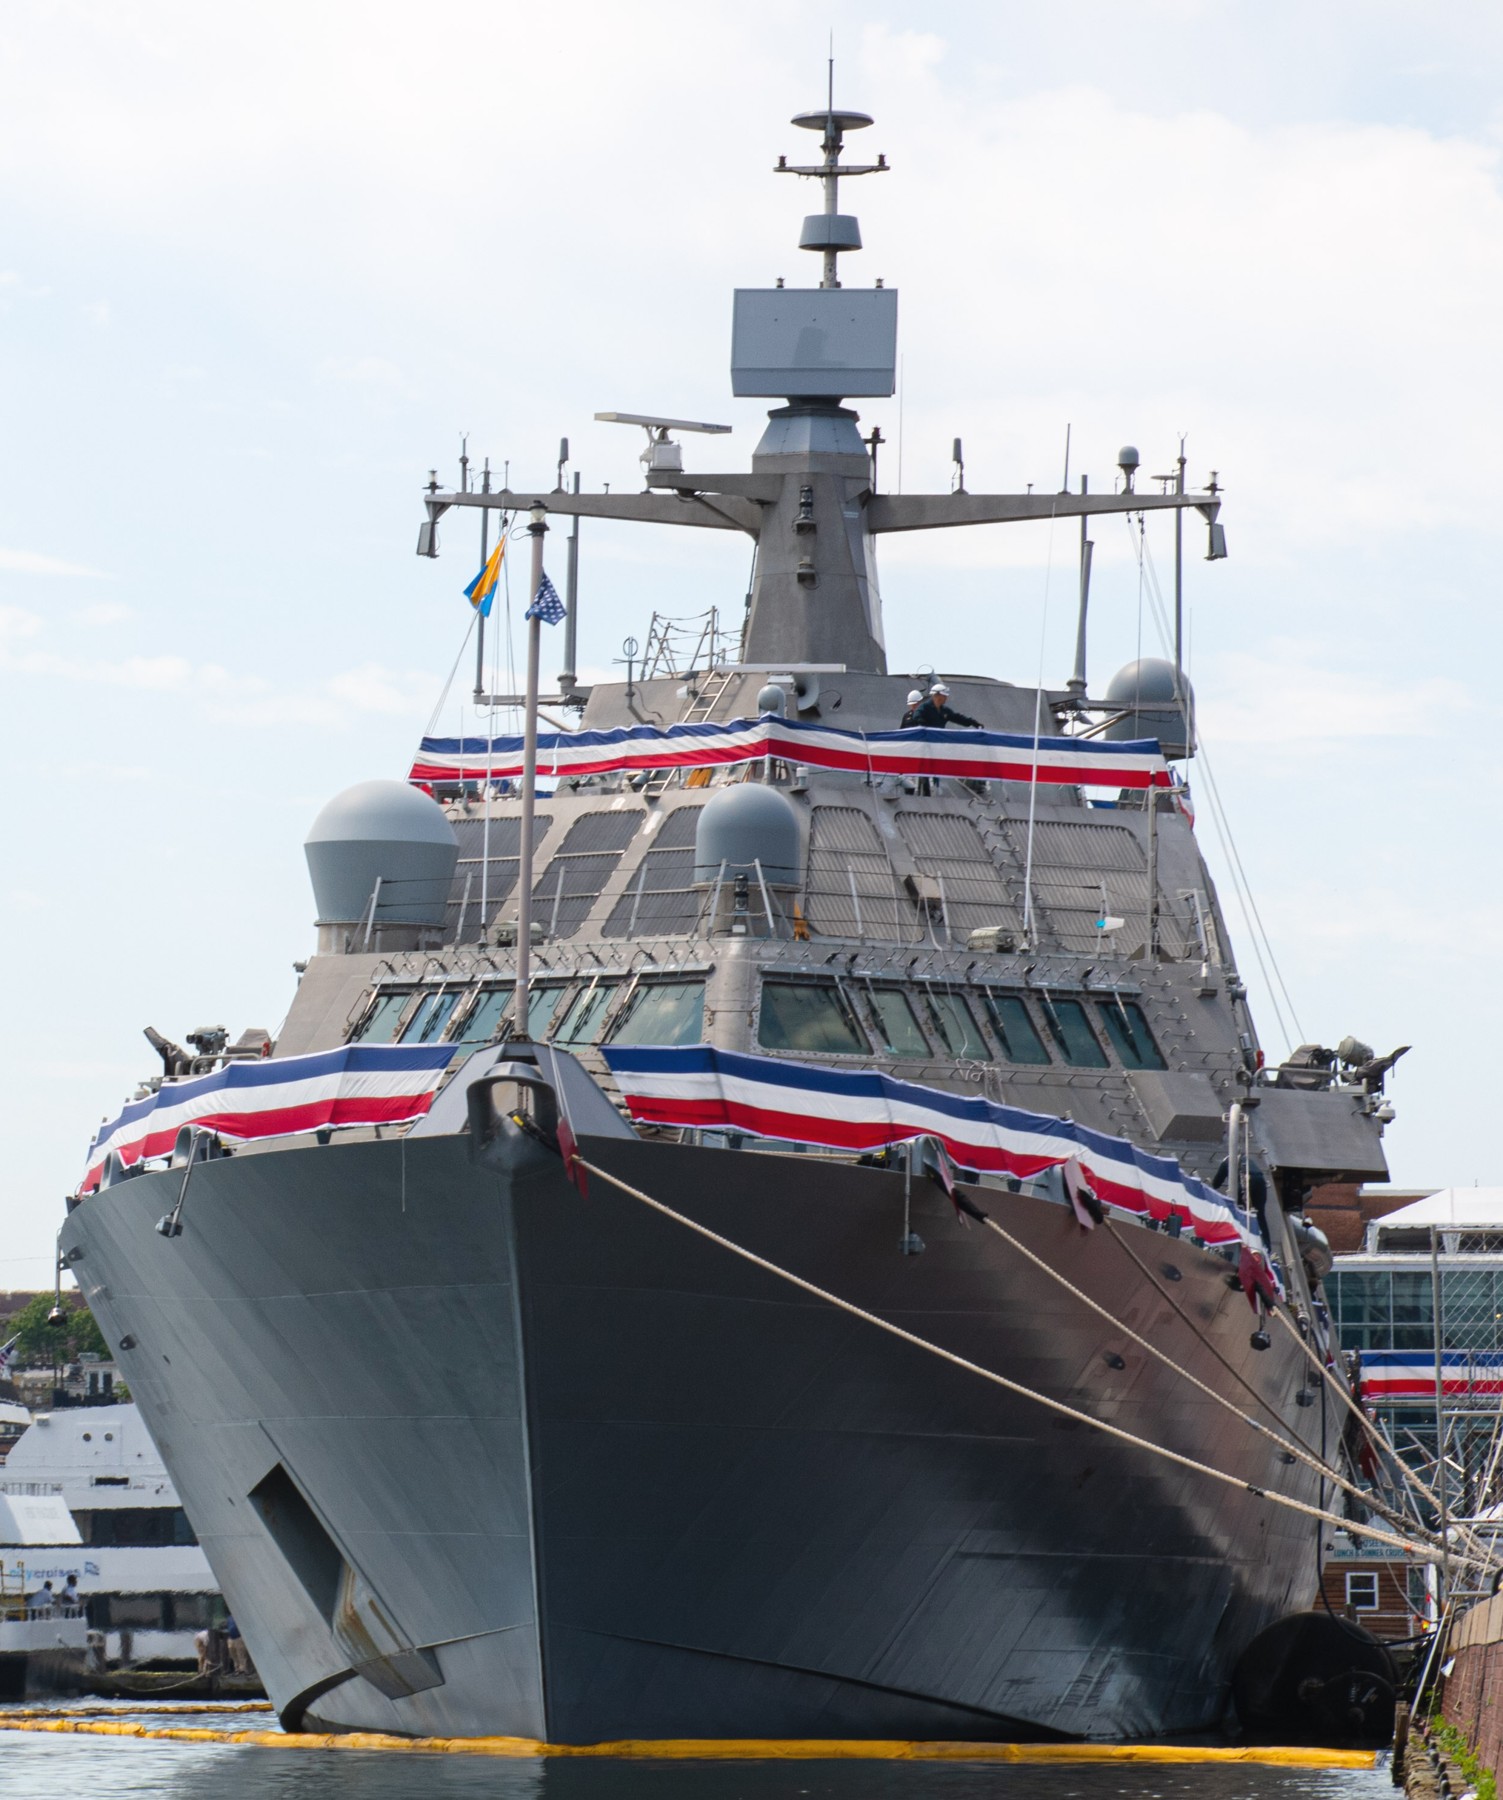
column 482, row 590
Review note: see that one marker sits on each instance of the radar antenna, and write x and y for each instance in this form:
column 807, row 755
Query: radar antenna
column 831, row 232
column 662, row 455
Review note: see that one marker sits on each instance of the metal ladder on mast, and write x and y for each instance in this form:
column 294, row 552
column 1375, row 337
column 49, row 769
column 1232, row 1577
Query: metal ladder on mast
column 699, row 710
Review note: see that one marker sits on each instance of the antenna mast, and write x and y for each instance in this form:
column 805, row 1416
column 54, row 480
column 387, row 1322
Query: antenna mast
column 831, row 232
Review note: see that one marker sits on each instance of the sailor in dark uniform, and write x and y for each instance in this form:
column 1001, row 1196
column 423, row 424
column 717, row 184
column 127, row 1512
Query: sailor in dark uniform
column 936, row 713
column 936, row 710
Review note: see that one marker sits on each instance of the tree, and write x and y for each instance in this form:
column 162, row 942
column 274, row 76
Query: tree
column 38, row 1343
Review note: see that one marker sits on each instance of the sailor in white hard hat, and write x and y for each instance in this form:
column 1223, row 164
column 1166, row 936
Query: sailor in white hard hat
column 936, row 711
column 915, row 701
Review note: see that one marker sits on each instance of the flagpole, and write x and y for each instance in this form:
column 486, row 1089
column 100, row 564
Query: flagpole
column 537, row 530
column 485, row 529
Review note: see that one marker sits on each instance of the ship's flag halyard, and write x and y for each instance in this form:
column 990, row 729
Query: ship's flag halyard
column 482, row 590
column 861, row 1110
column 358, row 1084
column 963, row 755
column 546, row 604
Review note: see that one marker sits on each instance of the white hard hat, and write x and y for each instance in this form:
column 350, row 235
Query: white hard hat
column 914, row 696
column 940, row 687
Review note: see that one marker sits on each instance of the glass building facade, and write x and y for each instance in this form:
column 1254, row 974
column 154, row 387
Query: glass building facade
column 1387, row 1303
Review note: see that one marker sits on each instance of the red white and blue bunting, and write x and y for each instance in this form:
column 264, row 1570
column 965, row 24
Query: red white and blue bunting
column 1392, row 1377
column 968, row 755
column 358, row 1084
column 861, row 1110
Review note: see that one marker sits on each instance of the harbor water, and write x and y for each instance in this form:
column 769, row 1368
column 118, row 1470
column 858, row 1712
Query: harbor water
column 33, row 1765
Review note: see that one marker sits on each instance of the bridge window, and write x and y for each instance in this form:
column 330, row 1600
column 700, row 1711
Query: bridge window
column 581, row 1024
column 434, row 1010
column 379, row 1026
column 958, row 1031
column 1071, row 1030
column 808, row 1017
column 1131, row 1038
column 897, row 1027
column 482, row 1024
column 1015, row 1029
column 663, row 1012
column 542, row 1004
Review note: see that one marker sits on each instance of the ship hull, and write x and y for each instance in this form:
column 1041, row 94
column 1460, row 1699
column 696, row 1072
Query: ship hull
column 473, row 1454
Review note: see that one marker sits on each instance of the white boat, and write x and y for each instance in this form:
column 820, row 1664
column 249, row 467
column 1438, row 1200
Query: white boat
column 42, row 1644
column 146, row 1585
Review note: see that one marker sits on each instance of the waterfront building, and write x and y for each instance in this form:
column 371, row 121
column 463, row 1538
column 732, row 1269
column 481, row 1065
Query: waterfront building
column 1380, row 1588
column 1431, row 1271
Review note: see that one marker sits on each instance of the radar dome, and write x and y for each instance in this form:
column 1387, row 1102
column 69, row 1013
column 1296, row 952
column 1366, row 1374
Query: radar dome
column 386, row 831
column 746, row 825
column 1146, row 689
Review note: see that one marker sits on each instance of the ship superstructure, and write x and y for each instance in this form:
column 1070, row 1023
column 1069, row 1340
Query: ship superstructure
column 688, row 1499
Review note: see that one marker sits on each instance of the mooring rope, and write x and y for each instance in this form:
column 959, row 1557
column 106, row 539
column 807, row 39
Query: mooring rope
column 1289, row 1443
column 1058, row 1407
column 1367, row 1499
column 1485, row 1558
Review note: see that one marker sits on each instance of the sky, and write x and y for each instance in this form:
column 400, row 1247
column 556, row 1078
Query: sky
column 263, row 266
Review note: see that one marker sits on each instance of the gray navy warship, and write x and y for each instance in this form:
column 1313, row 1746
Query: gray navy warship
column 475, row 1452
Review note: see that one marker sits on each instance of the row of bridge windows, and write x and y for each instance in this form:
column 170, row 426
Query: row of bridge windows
column 819, row 1018
column 810, row 1018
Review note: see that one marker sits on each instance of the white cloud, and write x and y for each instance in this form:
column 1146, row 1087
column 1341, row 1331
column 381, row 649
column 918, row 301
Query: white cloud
column 229, row 697
column 1290, row 699
column 374, row 689
column 366, row 371
column 107, row 612
column 33, row 562
column 16, row 622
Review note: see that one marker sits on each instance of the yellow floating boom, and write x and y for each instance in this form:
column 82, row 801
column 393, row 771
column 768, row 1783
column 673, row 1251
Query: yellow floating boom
column 712, row 1749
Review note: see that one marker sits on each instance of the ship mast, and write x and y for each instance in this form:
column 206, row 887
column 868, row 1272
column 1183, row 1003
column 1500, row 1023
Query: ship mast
column 809, row 501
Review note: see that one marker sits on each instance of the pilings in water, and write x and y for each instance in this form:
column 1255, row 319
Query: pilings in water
column 1428, row 1764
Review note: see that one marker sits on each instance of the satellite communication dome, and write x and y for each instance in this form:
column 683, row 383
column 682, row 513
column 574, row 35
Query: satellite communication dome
column 744, row 826
column 1146, row 689
column 387, row 831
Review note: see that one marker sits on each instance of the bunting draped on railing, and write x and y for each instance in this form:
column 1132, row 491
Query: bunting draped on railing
column 1391, row 1377
column 862, row 1110
column 358, row 1084
column 971, row 755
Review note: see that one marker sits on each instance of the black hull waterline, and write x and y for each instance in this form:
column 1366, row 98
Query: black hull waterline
column 476, row 1455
